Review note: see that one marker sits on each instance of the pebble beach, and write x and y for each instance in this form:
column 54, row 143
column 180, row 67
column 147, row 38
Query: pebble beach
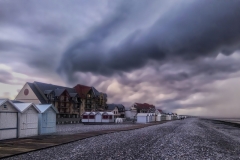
column 191, row 138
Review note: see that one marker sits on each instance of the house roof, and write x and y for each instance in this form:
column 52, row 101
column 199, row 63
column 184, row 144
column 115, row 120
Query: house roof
column 48, row 91
column 44, row 86
column 120, row 106
column 3, row 101
column 22, row 107
column 41, row 98
column 82, row 90
column 143, row 106
column 95, row 91
column 58, row 91
column 43, row 107
column 111, row 107
column 73, row 94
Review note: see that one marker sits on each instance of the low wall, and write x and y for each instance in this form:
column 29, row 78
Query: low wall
column 68, row 120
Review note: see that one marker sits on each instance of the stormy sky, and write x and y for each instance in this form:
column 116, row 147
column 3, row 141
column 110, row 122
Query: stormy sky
column 182, row 56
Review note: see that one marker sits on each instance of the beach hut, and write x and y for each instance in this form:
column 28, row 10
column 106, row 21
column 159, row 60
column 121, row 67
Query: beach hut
column 91, row 117
column 153, row 117
column 163, row 117
column 98, row 117
column 107, row 117
column 158, row 117
column 28, row 119
column 143, row 118
column 47, row 119
column 168, row 117
column 85, row 117
column 8, row 120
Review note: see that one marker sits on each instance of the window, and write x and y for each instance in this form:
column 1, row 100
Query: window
column 110, row 117
column 105, row 116
column 85, row 116
column 91, row 116
column 4, row 106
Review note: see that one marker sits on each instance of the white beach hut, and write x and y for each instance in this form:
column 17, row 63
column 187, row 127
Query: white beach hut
column 98, row 117
column 8, row 120
column 91, row 117
column 107, row 117
column 47, row 119
column 85, row 117
column 158, row 117
column 153, row 117
column 163, row 117
column 28, row 119
column 168, row 117
column 143, row 118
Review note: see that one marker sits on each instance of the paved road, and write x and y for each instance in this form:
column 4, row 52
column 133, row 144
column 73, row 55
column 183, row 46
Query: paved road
column 183, row 139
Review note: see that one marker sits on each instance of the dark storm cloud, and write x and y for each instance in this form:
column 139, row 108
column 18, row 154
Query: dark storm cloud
column 191, row 31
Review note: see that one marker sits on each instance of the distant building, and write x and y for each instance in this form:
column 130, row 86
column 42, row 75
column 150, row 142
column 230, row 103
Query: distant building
column 143, row 108
column 82, row 91
column 65, row 99
column 117, row 109
column 95, row 101
column 70, row 102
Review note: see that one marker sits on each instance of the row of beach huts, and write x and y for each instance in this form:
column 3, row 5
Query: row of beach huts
column 19, row 119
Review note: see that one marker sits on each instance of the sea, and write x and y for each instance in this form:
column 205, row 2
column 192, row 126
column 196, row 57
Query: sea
column 232, row 120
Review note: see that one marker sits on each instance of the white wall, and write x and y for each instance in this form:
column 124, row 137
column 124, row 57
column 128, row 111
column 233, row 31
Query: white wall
column 30, row 98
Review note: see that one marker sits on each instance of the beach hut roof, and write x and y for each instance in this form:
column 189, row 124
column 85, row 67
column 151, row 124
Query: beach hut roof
column 142, row 114
column 22, row 107
column 44, row 107
column 108, row 113
column 86, row 113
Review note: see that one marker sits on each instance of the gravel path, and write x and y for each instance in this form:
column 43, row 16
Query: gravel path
column 187, row 139
column 81, row 128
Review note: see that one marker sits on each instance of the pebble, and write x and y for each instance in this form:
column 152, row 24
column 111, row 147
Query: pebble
column 190, row 139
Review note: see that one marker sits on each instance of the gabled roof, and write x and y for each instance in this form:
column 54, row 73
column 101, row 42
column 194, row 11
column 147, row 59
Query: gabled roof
column 58, row 91
column 111, row 107
column 48, row 91
column 120, row 106
column 143, row 106
column 37, row 93
column 22, row 107
column 104, row 94
column 95, row 91
column 45, row 86
column 2, row 101
column 73, row 94
column 82, row 90
column 15, row 101
column 43, row 107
